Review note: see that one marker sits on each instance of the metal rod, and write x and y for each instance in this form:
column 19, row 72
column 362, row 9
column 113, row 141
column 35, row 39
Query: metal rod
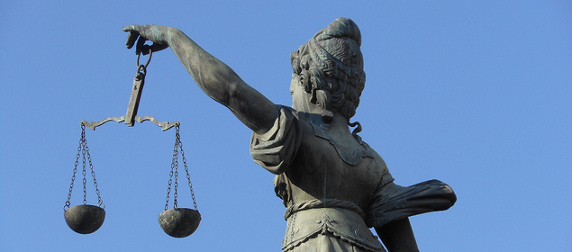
column 133, row 106
column 138, row 83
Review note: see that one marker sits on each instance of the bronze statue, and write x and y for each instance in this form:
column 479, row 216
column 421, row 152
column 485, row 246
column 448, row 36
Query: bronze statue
column 334, row 186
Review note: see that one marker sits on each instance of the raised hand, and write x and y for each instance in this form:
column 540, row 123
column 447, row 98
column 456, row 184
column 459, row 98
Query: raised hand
column 138, row 34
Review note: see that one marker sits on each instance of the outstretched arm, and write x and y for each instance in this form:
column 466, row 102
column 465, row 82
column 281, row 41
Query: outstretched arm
column 214, row 77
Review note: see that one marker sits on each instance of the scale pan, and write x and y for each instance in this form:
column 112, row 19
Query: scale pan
column 179, row 222
column 84, row 219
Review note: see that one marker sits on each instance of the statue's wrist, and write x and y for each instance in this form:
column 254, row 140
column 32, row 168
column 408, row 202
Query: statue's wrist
column 160, row 34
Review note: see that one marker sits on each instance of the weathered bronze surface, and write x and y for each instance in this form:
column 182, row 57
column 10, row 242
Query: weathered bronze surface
column 179, row 222
column 333, row 185
column 85, row 219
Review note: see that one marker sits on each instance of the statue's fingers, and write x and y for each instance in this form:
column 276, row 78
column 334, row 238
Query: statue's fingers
column 158, row 47
column 129, row 28
column 140, row 44
column 131, row 38
column 145, row 49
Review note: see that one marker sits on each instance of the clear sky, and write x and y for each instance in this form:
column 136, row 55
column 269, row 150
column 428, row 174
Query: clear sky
column 477, row 94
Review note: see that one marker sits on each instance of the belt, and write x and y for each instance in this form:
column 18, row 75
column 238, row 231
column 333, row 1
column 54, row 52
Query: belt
column 327, row 203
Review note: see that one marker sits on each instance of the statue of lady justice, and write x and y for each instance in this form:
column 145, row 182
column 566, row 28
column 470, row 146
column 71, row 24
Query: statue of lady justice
column 334, row 186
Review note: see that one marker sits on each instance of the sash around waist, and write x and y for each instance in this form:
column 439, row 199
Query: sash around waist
column 327, row 203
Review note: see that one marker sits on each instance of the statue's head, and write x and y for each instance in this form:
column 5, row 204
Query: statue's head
column 330, row 67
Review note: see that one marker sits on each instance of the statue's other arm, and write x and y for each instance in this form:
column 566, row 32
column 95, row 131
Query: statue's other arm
column 397, row 236
column 214, row 77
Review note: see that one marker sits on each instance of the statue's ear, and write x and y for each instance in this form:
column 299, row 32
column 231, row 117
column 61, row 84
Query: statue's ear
column 320, row 97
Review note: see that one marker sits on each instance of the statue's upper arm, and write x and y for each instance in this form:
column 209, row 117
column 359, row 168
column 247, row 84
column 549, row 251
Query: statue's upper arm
column 252, row 108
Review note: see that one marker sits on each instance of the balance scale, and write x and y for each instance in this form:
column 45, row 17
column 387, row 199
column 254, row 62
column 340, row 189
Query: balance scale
column 86, row 219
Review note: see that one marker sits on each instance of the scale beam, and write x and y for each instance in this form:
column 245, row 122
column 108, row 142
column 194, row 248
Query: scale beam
column 164, row 125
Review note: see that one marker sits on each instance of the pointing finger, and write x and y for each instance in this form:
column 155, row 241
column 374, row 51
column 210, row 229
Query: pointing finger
column 128, row 28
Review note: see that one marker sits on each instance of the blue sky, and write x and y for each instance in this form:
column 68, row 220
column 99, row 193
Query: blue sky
column 477, row 94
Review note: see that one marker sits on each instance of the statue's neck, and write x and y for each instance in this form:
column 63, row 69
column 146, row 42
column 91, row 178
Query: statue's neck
column 339, row 123
column 334, row 121
column 330, row 121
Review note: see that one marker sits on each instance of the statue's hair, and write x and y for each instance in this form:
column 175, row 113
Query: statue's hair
column 330, row 67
